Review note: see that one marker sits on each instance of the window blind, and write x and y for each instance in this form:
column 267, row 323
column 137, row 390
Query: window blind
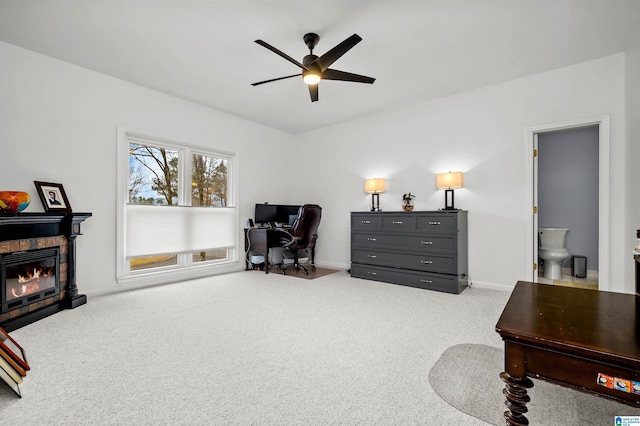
column 154, row 230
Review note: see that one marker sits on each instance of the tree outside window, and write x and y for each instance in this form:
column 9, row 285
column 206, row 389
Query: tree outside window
column 208, row 181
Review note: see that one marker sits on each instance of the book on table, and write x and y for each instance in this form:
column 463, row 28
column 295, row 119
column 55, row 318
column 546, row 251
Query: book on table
column 11, row 372
column 13, row 353
column 10, row 382
column 13, row 362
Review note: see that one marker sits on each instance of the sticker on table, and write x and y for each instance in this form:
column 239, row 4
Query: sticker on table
column 623, row 385
column 606, row 381
column 635, row 387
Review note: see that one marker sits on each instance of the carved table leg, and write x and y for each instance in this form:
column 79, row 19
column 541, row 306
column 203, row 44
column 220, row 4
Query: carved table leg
column 515, row 391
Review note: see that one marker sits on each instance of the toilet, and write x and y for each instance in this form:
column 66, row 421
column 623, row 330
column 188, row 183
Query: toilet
column 552, row 248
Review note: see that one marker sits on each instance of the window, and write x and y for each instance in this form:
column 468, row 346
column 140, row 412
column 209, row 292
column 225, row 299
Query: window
column 177, row 213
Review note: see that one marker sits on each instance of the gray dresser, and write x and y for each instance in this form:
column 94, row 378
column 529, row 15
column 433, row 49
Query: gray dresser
column 418, row 249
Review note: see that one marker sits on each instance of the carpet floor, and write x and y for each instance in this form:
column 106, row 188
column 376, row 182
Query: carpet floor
column 466, row 376
column 253, row 349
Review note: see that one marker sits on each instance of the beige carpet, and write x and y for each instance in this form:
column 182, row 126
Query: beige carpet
column 249, row 349
column 467, row 377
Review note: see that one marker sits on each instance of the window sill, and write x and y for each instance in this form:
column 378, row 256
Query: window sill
column 176, row 275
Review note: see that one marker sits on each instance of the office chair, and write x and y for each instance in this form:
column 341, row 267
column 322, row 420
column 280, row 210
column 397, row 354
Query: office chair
column 303, row 236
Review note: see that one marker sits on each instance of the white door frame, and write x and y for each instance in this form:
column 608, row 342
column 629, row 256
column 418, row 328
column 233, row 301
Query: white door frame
column 603, row 194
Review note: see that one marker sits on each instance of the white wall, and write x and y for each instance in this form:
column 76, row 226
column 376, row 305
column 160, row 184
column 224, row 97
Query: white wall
column 59, row 125
column 633, row 157
column 483, row 134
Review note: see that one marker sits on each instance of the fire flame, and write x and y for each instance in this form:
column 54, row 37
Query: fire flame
column 30, row 281
column 29, row 277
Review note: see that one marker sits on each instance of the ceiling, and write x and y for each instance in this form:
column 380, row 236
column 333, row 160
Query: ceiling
column 204, row 50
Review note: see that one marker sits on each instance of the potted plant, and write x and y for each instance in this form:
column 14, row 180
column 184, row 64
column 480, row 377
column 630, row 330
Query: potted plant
column 407, row 201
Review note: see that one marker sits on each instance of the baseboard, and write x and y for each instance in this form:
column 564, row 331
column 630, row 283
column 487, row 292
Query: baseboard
column 591, row 273
column 493, row 286
column 333, row 265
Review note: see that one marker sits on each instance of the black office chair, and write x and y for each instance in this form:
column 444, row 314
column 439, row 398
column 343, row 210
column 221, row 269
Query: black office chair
column 303, row 236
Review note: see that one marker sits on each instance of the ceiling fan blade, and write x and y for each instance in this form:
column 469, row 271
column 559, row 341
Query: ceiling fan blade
column 340, row 49
column 313, row 91
column 275, row 79
column 280, row 53
column 346, row 76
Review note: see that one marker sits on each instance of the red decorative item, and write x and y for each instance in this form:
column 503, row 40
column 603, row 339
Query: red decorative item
column 14, row 201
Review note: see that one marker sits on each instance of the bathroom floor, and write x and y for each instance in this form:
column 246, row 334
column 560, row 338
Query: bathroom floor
column 590, row 282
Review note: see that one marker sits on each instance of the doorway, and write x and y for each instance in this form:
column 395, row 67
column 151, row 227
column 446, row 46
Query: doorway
column 574, row 183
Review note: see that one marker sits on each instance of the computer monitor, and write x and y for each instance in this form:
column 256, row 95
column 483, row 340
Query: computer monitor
column 285, row 213
column 265, row 213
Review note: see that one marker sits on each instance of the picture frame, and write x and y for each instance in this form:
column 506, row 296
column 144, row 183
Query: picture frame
column 52, row 196
column 13, row 353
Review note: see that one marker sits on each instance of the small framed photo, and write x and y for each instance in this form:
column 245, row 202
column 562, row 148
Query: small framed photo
column 52, row 196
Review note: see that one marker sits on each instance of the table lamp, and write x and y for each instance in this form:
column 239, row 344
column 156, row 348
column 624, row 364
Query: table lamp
column 449, row 181
column 375, row 187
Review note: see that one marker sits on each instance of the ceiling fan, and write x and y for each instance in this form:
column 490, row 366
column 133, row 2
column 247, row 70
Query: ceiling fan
column 316, row 68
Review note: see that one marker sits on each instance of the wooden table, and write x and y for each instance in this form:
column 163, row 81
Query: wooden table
column 584, row 339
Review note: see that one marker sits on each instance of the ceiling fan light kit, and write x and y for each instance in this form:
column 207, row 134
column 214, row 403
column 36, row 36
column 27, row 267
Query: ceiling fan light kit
column 316, row 68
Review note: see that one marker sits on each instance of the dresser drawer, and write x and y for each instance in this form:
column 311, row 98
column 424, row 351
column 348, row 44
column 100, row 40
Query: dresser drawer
column 417, row 243
column 437, row 223
column 449, row 284
column 365, row 222
column 398, row 223
column 419, row 262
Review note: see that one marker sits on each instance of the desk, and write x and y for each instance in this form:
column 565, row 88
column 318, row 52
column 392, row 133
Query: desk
column 568, row 336
column 258, row 241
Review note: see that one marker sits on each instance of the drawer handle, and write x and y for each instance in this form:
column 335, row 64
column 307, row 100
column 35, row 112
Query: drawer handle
column 428, row 262
column 398, row 222
column 372, row 256
column 434, row 223
column 366, row 222
column 372, row 239
column 426, row 281
column 427, row 243
column 372, row 273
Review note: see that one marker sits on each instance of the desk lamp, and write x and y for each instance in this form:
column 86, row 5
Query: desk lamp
column 375, row 187
column 449, row 181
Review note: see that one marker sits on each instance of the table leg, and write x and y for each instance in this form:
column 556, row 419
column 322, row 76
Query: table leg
column 515, row 391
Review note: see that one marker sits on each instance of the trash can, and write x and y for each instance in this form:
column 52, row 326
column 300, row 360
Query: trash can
column 257, row 262
column 579, row 266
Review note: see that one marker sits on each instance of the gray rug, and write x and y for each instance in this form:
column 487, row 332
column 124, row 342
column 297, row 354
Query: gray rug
column 467, row 378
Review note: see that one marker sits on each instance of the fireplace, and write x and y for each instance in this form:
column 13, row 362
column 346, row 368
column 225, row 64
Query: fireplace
column 29, row 277
column 37, row 266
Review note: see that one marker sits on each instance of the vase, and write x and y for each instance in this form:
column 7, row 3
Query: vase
column 407, row 205
column 14, row 201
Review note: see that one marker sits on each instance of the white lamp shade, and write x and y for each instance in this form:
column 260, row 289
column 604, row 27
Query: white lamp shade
column 375, row 186
column 449, row 180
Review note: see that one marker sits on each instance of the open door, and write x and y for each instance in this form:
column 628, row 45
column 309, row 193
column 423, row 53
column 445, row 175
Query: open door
column 532, row 266
column 534, row 160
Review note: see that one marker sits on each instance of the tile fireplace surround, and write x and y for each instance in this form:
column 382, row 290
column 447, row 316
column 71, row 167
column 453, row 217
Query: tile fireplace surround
column 30, row 231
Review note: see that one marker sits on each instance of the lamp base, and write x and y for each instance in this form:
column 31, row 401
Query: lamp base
column 375, row 202
column 448, row 200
